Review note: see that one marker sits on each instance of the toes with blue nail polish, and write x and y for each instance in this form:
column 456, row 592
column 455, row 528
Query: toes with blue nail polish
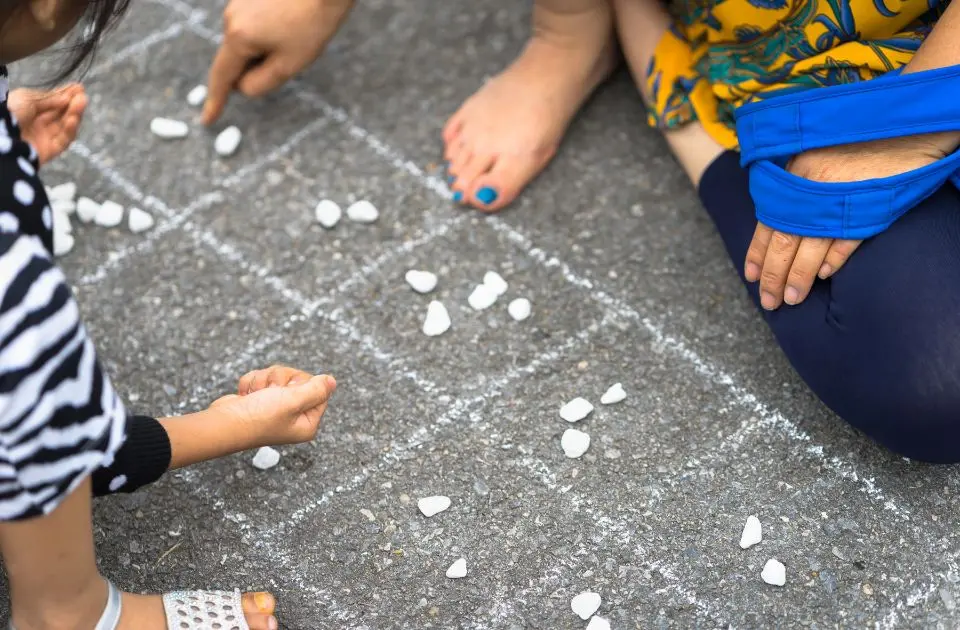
column 486, row 195
column 458, row 196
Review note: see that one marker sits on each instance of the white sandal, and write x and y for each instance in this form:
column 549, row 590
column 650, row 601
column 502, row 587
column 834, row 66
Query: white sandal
column 204, row 610
column 185, row 610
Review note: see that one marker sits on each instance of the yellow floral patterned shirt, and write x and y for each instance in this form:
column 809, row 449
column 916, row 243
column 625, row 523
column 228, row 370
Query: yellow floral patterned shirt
column 721, row 54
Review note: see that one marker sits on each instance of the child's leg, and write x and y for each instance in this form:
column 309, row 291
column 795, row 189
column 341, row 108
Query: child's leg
column 54, row 582
column 506, row 133
column 640, row 25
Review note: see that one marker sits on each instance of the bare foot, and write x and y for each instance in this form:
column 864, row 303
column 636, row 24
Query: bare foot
column 505, row 135
column 145, row 612
column 49, row 121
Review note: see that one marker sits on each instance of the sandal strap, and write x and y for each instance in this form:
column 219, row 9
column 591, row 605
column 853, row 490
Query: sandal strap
column 204, row 610
column 110, row 618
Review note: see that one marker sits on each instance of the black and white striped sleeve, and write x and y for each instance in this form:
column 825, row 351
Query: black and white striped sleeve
column 60, row 418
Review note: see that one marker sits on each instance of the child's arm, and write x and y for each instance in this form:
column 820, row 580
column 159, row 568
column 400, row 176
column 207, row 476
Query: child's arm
column 279, row 405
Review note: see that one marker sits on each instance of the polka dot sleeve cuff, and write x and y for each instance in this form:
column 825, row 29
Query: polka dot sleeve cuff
column 141, row 460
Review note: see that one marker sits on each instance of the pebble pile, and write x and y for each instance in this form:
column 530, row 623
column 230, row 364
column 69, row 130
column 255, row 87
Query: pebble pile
column 64, row 205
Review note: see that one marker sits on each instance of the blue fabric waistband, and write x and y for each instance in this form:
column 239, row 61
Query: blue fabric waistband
column 774, row 130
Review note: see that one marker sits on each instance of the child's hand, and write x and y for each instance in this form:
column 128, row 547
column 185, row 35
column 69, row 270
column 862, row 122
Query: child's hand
column 279, row 405
column 49, row 120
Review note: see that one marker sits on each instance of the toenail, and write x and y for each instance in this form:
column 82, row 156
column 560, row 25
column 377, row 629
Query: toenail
column 264, row 602
column 487, row 195
column 451, row 179
column 458, row 196
column 272, row 623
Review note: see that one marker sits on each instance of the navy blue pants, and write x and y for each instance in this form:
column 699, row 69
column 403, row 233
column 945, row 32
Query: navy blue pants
column 879, row 343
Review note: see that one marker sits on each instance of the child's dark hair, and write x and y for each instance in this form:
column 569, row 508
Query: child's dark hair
column 80, row 46
column 98, row 19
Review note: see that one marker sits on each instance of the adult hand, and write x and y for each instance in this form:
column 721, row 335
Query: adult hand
column 786, row 265
column 265, row 43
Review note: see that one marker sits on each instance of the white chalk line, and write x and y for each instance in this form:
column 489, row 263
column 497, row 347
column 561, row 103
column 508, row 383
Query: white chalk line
column 457, row 411
column 769, row 419
column 147, row 243
column 280, row 151
column 604, row 528
column 363, row 274
column 171, row 32
column 185, row 9
column 919, row 597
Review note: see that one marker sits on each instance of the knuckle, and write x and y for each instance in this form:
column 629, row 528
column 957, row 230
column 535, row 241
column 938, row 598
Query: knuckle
column 770, row 277
column 800, row 276
column 782, row 241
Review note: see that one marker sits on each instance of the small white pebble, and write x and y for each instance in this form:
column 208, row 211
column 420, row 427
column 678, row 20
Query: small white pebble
column 458, row 569
column 168, row 129
column 139, row 221
column 109, row 215
column 496, row 282
column 576, row 410
column 197, row 96
column 752, row 533
column 421, row 281
column 63, row 206
column 63, row 192
column 574, row 443
column 483, row 297
column 431, row 506
column 368, row 514
column 363, row 212
column 227, row 141
column 62, row 243
column 585, row 604
column 328, row 213
column 437, row 320
column 614, row 395
column 266, row 458
column 520, row 309
column 87, row 209
column 598, row 623
column 61, row 221
column 774, row 573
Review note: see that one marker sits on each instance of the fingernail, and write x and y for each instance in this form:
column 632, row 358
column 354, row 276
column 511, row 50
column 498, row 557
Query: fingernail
column 272, row 623
column 486, row 195
column 791, row 296
column 825, row 271
column 458, row 196
column 768, row 301
column 264, row 602
column 752, row 272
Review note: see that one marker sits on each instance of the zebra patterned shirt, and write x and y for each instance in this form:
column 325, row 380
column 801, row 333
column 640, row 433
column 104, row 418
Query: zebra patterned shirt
column 60, row 418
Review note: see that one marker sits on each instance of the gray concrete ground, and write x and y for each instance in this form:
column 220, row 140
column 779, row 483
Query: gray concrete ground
column 629, row 284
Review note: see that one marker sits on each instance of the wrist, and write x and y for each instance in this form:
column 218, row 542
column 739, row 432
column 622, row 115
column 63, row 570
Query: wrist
column 207, row 435
column 947, row 141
